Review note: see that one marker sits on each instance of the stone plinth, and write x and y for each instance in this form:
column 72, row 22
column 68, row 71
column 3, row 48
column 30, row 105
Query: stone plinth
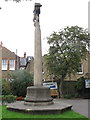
column 57, row 108
column 38, row 95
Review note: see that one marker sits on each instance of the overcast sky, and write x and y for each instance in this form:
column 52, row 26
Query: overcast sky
column 16, row 21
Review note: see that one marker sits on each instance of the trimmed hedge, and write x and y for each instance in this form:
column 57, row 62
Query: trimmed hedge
column 8, row 98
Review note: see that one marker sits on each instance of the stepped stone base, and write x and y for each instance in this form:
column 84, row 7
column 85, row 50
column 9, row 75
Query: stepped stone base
column 38, row 95
column 57, row 108
column 38, row 101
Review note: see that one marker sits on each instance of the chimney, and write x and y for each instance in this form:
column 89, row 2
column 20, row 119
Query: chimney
column 24, row 54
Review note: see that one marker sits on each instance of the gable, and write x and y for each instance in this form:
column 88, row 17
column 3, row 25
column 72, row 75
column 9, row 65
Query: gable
column 7, row 53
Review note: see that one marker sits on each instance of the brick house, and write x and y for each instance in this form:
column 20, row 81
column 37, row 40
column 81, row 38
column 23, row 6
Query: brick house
column 84, row 70
column 69, row 83
column 10, row 62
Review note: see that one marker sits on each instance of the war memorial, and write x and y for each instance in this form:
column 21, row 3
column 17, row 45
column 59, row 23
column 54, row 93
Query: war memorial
column 38, row 99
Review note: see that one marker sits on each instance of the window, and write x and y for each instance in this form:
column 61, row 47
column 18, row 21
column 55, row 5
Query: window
column 80, row 69
column 12, row 65
column 4, row 64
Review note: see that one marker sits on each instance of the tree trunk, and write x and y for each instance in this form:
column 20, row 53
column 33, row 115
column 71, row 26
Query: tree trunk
column 60, row 88
column 60, row 85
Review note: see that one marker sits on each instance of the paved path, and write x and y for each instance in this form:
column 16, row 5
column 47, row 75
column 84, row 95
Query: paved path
column 79, row 105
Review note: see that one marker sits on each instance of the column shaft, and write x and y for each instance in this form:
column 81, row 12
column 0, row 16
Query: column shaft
column 37, row 56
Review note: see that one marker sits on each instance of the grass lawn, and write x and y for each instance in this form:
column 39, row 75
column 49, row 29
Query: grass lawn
column 69, row 114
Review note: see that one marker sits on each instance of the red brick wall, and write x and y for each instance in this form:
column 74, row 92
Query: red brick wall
column 7, row 54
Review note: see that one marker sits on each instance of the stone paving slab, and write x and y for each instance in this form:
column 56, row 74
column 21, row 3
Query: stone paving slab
column 56, row 108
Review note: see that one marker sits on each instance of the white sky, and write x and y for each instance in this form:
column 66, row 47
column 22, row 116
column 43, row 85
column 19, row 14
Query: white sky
column 16, row 21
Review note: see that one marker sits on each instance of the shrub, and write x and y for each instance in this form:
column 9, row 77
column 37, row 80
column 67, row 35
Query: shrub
column 77, row 95
column 6, row 87
column 8, row 98
column 80, row 84
column 21, row 79
column 67, row 96
column 80, row 88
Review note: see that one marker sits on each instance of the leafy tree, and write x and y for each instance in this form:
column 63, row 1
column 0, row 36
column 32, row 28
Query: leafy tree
column 67, row 48
column 19, row 82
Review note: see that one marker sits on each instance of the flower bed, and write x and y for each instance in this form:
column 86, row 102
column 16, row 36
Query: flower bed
column 20, row 98
column 11, row 98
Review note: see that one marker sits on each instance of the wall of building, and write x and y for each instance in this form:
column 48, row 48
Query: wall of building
column 7, row 54
column 47, row 77
column 85, row 71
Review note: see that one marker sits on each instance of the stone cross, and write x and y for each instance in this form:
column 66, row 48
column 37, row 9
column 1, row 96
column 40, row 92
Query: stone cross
column 37, row 95
column 89, row 38
column 37, row 47
column 0, row 60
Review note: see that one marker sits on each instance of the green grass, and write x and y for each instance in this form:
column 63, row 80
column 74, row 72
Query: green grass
column 10, row 114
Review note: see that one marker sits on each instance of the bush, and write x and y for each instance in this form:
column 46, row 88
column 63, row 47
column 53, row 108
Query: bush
column 8, row 98
column 21, row 79
column 80, row 88
column 77, row 95
column 6, row 87
column 80, row 84
column 67, row 96
column 86, row 96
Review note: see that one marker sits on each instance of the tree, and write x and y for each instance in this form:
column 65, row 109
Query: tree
column 67, row 48
column 19, row 82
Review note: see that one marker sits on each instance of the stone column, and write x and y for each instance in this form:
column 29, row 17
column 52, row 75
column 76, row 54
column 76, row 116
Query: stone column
column 37, row 94
column 89, row 39
column 0, row 61
column 37, row 56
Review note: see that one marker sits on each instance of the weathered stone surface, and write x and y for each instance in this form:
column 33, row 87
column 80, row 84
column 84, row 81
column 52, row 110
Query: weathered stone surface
column 38, row 95
column 0, row 62
column 57, row 108
column 37, row 56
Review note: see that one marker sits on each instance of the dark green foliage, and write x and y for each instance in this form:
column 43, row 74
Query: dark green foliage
column 76, row 89
column 77, row 95
column 80, row 88
column 6, row 87
column 21, row 79
column 69, row 88
column 67, row 48
column 80, row 84
column 8, row 98
column 67, row 96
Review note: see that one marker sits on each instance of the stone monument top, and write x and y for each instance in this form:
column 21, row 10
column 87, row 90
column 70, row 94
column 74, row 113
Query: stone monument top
column 36, row 12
